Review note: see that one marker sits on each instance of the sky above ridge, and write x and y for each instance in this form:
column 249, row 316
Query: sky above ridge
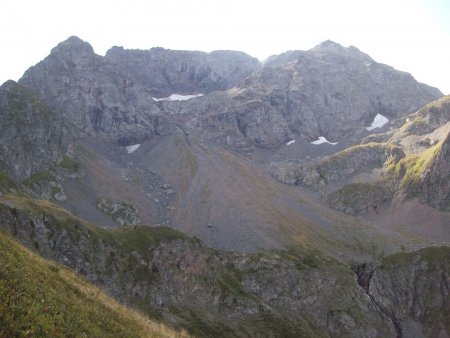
column 410, row 35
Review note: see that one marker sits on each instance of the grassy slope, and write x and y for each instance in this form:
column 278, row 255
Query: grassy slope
column 42, row 299
column 410, row 169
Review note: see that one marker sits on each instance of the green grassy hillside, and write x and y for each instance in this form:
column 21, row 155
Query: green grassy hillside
column 42, row 299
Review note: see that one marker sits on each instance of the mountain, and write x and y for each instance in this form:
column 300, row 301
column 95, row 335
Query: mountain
column 329, row 91
column 186, row 173
column 306, row 196
column 93, row 95
column 112, row 95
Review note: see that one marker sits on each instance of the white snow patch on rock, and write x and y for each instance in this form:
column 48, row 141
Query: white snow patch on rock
column 378, row 122
column 177, row 97
column 321, row 140
column 290, row 142
column 132, row 148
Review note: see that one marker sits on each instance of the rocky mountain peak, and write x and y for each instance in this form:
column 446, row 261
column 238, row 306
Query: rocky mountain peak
column 73, row 47
column 330, row 48
column 8, row 86
column 330, row 45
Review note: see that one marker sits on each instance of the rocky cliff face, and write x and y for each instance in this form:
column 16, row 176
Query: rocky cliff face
column 339, row 166
column 429, row 117
column 213, row 293
column 92, row 94
column 112, row 95
column 31, row 135
column 298, row 94
column 407, row 287
column 164, row 72
column 332, row 91
column 434, row 185
column 328, row 91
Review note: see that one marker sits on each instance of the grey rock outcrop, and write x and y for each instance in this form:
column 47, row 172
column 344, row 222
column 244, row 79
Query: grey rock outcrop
column 339, row 166
column 331, row 90
column 428, row 118
column 328, row 91
column 434, row 184
column 211, row 292
column 31, row 135
column 407, row 287
column 359, row 198
column 164, row 72
column 123, row 213
column 92, row 94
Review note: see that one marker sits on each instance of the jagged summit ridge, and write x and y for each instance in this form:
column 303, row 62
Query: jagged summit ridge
column 164, row 72
column 72, row 47
column 329, row 91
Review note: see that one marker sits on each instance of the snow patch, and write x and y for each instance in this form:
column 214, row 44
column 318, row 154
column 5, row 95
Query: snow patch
column 290, row 142
column 322, row 139
column 132, row 148
column 177, row 97
column 378, row 122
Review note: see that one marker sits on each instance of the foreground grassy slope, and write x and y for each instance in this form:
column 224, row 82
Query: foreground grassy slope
column 42, row 299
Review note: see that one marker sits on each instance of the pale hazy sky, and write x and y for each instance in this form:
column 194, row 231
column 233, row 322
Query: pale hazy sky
column 410, row 35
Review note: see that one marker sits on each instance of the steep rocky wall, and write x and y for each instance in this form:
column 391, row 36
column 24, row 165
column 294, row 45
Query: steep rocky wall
column 212, row 293
column 434, row 185
column 31, row 135
column 412, row 289
column 339, row 166
column 329, row 91
column 216, row 293
column 164, row 71
column 94, row 95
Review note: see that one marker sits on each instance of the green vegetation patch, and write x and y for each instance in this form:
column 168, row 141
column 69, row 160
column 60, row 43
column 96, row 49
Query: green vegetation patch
column 42, row 299
column 6, row 183
column 121, row 212
column 39, row 178
column 390, row 149
column 305, row 259
column 20, row 100
column 438, row 254
column 358, row 197
column 70, row 164
column 143, row 237
column 409, row 170
column 352, row 191
column 230, row 280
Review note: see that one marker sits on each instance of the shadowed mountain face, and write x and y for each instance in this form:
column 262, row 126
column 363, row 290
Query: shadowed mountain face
column 93, row 95
column 103, row 95
column 328, row 91
column 32, row 136
column 164, row 72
